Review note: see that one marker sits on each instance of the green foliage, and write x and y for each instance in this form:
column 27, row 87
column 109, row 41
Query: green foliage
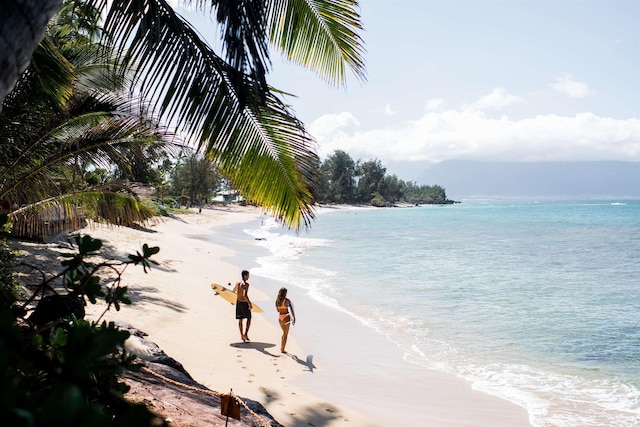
column 371, row 181
column 338, row 178
column 95, row 176
column 425, row 194
column 195, row 178
column 170, row 201
column 346, row 181
column 70, row 211
column 144, row 257
column 378, row 201
column 221, row 103
column 68, row 121
column 146, row 163
column 9, row 286
column 55, row 367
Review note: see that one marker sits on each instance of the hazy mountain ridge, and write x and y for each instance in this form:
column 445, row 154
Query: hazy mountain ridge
column 467, row 179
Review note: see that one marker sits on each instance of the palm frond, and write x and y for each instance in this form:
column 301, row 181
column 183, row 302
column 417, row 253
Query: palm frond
column 274, row 162
column 321, row 35
column 192, row 86
column 90, row 136
column 71, row 211
column 244, row 37
column 246, row 130
column 47, row 82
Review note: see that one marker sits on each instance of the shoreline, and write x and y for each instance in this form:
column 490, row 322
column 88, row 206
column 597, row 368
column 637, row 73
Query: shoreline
column 317, row 382
column 365, row 370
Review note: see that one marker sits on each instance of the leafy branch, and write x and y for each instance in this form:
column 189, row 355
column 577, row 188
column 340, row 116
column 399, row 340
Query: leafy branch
column 55, row 367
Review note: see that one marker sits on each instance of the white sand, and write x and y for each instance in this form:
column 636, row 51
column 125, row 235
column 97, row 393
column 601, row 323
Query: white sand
column 336, row 372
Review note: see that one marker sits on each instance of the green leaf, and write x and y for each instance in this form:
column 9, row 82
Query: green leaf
column 92, row 289
column 87, row 245
column 59, row 338
column 148, row 252
column 322, row 35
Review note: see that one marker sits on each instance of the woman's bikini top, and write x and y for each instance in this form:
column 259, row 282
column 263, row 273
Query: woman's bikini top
column 284, row 308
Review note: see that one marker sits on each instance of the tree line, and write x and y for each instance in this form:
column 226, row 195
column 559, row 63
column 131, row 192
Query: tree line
column 343, row 180
column 192, row 179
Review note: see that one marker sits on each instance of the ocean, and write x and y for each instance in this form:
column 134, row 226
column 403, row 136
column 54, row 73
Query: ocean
column 537, row 302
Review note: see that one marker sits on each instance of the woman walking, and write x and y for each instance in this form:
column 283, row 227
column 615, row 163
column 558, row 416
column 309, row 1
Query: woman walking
column 286, row 319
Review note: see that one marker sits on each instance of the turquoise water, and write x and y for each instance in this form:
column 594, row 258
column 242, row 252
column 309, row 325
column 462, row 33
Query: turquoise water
column 536, row 302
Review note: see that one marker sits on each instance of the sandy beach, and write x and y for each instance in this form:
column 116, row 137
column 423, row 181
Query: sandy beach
column 336, row 372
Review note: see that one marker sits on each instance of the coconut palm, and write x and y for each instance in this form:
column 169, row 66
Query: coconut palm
column 68, row 108
column 224, row 106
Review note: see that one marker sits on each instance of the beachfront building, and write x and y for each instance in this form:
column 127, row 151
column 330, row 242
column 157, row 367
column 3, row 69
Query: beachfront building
column 228, row 196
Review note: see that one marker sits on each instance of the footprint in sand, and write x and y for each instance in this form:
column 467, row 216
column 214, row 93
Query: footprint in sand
column 264, row 390
column 328, row 408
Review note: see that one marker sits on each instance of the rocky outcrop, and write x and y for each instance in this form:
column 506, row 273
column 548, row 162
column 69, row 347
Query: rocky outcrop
column 166, row 388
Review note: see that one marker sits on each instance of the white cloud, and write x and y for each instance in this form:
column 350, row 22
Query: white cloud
column 333, row 130
column 434, row 104
column 471, row 135
column 389, row 111
column 498, row 98
column 566, row 85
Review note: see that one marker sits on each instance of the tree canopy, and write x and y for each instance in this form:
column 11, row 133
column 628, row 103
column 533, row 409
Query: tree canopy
column 367, row 182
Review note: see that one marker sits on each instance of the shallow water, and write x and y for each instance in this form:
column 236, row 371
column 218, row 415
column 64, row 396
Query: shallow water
column 536, row 302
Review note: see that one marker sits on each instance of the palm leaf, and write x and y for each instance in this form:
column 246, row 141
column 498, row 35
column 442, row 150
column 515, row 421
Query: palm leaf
column 192, row 87
column 275, row 164
column 47, row 82
column 93, row 136
column 226, row 109
column 321, row 35
column 71, row 211
column 244, row 37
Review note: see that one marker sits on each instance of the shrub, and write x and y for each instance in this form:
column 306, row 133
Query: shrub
column 55, row 367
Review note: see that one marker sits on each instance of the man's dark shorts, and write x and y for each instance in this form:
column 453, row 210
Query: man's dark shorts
column 242, row 310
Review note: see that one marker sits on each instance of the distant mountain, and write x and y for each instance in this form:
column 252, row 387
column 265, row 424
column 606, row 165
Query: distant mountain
column 467, row 179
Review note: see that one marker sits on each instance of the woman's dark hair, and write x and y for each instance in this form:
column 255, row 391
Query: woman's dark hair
column 282, row 294
column 244, row 273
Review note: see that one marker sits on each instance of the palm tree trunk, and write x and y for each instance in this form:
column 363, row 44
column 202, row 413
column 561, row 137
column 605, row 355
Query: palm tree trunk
column 22, row 25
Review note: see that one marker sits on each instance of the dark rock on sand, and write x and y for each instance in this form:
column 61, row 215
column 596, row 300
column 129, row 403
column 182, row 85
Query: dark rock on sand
column 171, row 393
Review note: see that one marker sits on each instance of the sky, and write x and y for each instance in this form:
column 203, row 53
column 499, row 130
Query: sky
column 486, row 80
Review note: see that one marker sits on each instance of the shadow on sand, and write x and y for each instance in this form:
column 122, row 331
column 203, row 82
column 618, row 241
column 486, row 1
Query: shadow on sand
column 307, row 363
column 260, row 346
